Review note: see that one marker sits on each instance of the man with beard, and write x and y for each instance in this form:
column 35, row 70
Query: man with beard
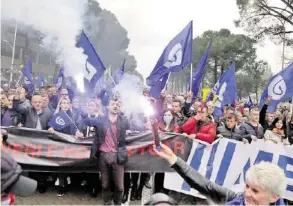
column 109, row 139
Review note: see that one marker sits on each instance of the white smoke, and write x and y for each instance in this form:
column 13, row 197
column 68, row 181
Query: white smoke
column 59, row 22
column 130, row 91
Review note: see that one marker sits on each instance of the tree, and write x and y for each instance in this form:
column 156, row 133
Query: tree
column 108, row 37
column 266, row 18
column 226, row 48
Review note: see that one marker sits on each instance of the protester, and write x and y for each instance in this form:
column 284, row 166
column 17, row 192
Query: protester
column 167, row 124
column 265, row 182
column 200, row 127
column 9, row 116
column 71, row 129
column 266, row 119
column 240, row 119
column 109, row 139
column 35, row 116
column 230, row 129
column 211, row 109
column 278, row 134
column 253, row 129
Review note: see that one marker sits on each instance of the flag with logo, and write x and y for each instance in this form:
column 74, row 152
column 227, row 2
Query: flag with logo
column 176, row 56
column 279, row 87
column 199, row 71
column 28, row 76
column 118, row 75
column 41, row 80
column 60, row 80
column 60, row 121
column 94, row 67
column 155, row 90
column 226, row 90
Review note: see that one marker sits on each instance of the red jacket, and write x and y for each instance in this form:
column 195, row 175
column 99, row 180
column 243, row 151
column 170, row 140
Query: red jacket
column 207, row 132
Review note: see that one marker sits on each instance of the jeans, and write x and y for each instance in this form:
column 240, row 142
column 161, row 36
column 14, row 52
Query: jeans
column 108, row 165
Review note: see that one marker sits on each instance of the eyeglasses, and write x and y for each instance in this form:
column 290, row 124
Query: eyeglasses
column 64, row 94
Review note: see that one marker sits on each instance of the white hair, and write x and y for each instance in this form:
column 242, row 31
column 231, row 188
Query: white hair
column 268, row 176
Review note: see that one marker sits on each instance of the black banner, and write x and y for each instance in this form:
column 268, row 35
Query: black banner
column 38, row 150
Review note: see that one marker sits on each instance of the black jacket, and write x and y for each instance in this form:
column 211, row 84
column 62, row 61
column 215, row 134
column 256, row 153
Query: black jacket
column 102, row 124
column 15, row 117
column 209, row 189
column 262, row 119
column 216, row 193
column 31, row 116
column 235, row 133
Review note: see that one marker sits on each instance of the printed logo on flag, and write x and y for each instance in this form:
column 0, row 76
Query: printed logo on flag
column 60, row 121
column 277, row 88
column 89, row 71
column 175, row 56
column 59, row 82
column 220, row 96
column 26, row 81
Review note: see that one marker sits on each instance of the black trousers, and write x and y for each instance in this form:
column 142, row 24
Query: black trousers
column 110, row 170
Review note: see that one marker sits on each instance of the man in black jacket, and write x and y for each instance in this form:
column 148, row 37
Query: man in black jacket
column 267, row 119
column 230, row 130
column 35, row 116
column 110, row 135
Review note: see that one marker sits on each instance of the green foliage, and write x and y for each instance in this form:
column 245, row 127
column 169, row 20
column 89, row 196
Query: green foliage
column 226, row 48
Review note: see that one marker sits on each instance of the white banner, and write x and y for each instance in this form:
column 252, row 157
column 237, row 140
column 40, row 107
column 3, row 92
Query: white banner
column 226, row 161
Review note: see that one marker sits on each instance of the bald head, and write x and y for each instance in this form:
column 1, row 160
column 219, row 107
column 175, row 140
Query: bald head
column 37, row 102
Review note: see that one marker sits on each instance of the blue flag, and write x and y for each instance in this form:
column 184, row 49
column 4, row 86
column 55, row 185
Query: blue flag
column 176, row 56
column 60, row 80
column 94, row 68
column 155, row 90
column 226, row 90
column 279, row 87
column 199, row 72
column 249, row 103
column 119, row 73
column 41, row 80
column 28, row 76
column 60, row 121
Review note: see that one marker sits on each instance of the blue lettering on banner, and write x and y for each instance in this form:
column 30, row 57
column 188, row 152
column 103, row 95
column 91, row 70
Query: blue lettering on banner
column 211, row 160
column 245, row 168
column 195, row 162
column 226, row 160
column 283, row 162
column 263, row 156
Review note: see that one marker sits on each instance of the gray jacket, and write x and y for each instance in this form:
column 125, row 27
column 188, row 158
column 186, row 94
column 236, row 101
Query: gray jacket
column 251, row 130
column 235, row 133
column 31, row 116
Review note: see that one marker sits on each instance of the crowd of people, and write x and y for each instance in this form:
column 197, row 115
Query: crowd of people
column 102, row 117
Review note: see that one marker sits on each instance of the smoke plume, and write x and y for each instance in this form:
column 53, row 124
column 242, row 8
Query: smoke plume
column 59, row 22
column 130, row 93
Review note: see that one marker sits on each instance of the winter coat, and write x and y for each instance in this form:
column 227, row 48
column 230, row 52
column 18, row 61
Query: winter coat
column 234, row 133
column 205, row 131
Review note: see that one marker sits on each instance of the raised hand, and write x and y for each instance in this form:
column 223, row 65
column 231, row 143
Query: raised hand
column 166, row 153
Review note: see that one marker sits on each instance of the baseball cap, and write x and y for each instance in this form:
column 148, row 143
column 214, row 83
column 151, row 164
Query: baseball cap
column 11, row 179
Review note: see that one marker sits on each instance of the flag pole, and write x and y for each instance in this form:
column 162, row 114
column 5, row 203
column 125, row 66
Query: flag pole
column 110, row 76
column 190, row 86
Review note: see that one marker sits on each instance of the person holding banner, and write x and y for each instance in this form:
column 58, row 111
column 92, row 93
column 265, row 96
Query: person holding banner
column 62, row 122
column 265, row 182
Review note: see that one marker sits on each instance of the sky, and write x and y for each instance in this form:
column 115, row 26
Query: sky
column 151, row 24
